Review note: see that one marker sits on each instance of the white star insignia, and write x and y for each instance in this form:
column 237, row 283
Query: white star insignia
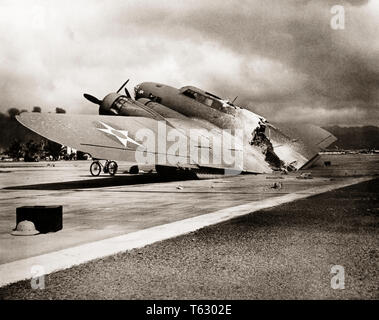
column 124, row 140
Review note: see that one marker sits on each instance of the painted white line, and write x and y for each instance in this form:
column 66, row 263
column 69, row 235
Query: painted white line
column 66, row 258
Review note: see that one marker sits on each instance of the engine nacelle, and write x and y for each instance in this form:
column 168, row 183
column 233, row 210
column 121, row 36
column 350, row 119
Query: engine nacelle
column 116, row 104
column 162, row 110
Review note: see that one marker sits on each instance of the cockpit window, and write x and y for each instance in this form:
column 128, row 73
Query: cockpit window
column 190, row 93
column 217, row 105
column 209, row 100
column 205, row 100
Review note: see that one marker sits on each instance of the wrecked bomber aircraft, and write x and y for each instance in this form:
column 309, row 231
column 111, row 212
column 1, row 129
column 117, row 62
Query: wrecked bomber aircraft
column 116, row 132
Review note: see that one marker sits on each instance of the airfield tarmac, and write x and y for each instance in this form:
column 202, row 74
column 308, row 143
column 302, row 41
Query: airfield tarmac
column 285, row 252
column 107, row 207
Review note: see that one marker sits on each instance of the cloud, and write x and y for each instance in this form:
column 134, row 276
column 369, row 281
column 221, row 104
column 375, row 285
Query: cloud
column 281, row 58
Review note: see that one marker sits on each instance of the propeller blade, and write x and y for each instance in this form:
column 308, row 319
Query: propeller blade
column 124, row 84
column 127, row 93
column 92, row 98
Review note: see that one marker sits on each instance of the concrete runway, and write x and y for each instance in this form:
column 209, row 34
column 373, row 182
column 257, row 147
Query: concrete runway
column 105, row 207
column 286, row 252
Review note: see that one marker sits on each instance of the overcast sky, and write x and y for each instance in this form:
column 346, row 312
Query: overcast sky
column 282, row 58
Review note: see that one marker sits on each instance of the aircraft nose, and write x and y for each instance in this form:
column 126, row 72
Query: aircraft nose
column 139, row 92
column 149, row 90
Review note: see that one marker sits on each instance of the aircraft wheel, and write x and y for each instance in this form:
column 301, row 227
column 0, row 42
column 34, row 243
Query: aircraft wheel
column 106, row 165
column 134, row 170
column 95, row 168
column 112, row 168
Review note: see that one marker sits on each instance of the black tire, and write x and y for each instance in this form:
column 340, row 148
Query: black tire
column 134, row 170
column 105, row 168
column 112, row 168
column 95, row 168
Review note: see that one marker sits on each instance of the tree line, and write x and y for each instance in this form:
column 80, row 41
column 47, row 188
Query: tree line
column 17, row 141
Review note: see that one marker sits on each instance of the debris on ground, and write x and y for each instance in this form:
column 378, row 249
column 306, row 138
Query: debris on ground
column 179, row 187
column 277, row 185
column 305, row 175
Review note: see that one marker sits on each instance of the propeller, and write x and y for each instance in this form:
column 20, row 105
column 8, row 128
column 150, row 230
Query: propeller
column 92, row 98
column 126, row 90
column 127, row 93
column 123, row 85
column 105, row 105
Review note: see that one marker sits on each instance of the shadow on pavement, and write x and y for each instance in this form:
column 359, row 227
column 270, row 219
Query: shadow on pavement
column 102, row 182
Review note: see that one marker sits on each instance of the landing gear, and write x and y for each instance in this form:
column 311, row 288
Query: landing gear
column 112, row 168
column 134, row 170
column 109, row 167
column 95, row 168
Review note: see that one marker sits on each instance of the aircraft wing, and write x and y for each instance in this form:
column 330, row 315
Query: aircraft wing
column 138, row 139
column 103, row 137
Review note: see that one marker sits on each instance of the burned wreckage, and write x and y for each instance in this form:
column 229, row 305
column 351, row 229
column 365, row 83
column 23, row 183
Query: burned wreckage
column 116, row 132
column 260, row 140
